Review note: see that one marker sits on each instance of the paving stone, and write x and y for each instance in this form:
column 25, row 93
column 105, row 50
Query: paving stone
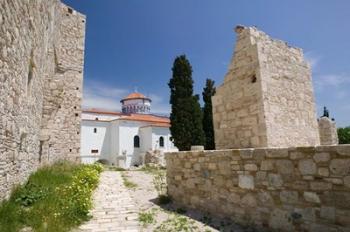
column 114, row 209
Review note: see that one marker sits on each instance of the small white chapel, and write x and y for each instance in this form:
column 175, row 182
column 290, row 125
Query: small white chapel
column 123, row 138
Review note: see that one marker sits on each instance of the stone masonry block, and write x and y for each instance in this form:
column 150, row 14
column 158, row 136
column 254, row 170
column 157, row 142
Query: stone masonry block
column 246, row 181
column 307, row 167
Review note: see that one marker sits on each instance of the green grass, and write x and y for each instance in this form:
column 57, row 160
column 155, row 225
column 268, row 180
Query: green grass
column 55, row 198
column 152, row 169
column 146, row 218
column 128, row 183
column 177, row 223
column 113, row 168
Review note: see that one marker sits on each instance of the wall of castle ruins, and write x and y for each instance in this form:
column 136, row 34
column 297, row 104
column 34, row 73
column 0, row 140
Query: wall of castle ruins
column 41, row 65
column 328, row 131
column 266, row 99
column 288, row 189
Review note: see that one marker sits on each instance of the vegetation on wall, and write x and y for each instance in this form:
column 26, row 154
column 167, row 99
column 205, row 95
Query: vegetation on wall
column 208, row 92
column 186, row 115
column 55, row 198
column 344, row 135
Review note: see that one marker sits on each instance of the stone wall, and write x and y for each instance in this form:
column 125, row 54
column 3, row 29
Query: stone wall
column 41, row 64
column 288, row 189
column 266, row 99
column 328, row 131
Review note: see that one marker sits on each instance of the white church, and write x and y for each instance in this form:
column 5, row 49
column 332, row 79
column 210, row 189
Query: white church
column 123, row 138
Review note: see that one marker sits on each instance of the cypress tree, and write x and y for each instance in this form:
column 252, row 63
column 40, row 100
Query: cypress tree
column 208, row 92
column 186, row 116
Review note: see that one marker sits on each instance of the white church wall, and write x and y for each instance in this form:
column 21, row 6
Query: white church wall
column 95, row 141
column 164, row 132
column 146, row 135
column 115, row 143
column 127, row 131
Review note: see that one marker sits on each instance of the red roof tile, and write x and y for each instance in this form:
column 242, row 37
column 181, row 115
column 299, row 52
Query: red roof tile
column 97, row 111
column 146, row 118
column 135, row 95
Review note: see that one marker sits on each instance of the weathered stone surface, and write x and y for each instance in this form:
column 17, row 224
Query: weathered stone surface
column 321, row 157
column 312, row 197
column 156, row 157
column 328, row 131
column 234, row 197
column 41, row 73
column 340, row 166
column 234, row 188
column 289, row 197
column 347, row 181
column 275, row 180
column 280, row 220
column 246, row 181
column 285, row 166
column 267, row 165
column 328, row 213
column 307, row 167
column 248, row 200
column 320, row 185
column 253, row 109
column 277, row 153
column 250, row 167
column 307, row 214
column 323, row 172
column 246, row 154
column 265, row 199
column 296, row 155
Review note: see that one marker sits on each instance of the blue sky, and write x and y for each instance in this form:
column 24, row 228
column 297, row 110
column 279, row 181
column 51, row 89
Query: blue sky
column 132, row 43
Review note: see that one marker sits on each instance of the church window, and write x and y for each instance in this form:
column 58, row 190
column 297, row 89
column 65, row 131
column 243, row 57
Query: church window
column 94, row 151
column 161, row 141
column 96, row 119
column 136, row 141
column 95, row 130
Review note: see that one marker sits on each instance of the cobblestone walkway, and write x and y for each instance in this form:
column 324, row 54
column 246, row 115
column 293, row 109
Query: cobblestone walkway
column 114, row 209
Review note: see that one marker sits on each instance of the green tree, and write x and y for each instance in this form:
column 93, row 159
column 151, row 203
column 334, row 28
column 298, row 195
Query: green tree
column 344, row 135
column 208, row 92
column 186, row 115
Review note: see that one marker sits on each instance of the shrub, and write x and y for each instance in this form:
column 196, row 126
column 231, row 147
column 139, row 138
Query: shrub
column 344, row 135
column 31, row 193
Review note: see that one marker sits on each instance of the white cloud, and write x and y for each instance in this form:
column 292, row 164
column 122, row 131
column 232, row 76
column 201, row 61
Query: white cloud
column 332, row 80
column 100, row 96
column 313, row 59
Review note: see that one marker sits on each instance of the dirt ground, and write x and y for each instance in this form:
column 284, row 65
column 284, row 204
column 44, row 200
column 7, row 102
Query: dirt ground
column 169, row 217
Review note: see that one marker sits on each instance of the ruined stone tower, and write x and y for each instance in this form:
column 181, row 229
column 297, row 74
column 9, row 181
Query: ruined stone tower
column 267, row 98
column 328, row 131
column 41, row 74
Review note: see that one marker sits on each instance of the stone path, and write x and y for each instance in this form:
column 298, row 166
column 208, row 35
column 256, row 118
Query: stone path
column 114, row 208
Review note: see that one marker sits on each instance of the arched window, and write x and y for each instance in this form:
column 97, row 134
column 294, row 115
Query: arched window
column 136, row 141
column 161, row 141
